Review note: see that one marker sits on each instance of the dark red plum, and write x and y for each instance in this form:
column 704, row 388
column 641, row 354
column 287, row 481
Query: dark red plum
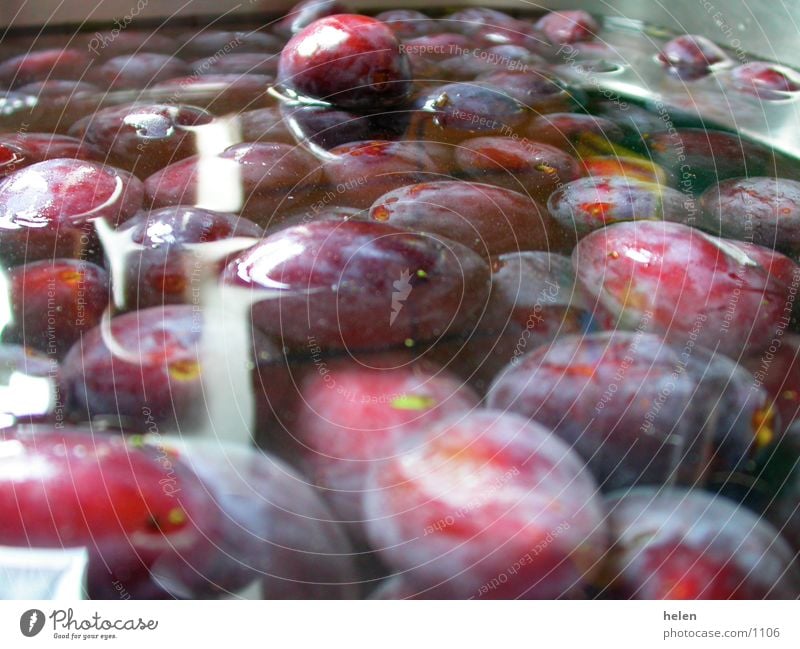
column 533, row 302
column 46, row 146
column 766, row 80
column 348, row 60
column 265, row 125
column 306, row 12
column 236, row 63
column 696, row 158
column 131, row 506
column 577, row 134
column 137, row 71
column 639, row 410
column 487, row 505
column 213, row 42
column 328, row 127
column 588, row 204
column 568, row 26
column 536, row 89
column 533, row 168
column 361, row 172
column 256, row 179
column 165, row 271
column 691, row 54
column 47, row 209
column 460, row 110
column 490, row 220
column 352, row 416
column 677, row 544
column 361, row 285
column 53, row 302
column 220, row 94
column 142, row 138
column 13, row 155
column 60, row 103
column 683, row 283
column 762, row 210
column 408, row 23
column 146, row 368
column 42, row 65
column 273, row 530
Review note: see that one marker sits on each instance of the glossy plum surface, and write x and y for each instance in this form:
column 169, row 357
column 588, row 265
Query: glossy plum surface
column 682, row 283
column 132, row 507
column 361, row 285
column 351, row 417
column 258, row 180
column 48, row 208
column 348, row 60
column 142, row 138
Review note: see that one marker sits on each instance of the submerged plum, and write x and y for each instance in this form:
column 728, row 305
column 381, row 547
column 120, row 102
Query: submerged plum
column 677, row 544
column 487, row 505
column 639, row 410
column 490, row 220
column 361, row 285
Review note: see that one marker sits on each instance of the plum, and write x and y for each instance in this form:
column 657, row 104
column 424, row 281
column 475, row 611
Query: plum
column 348, row 60
column 639, row 410
column 487, row 505
column 361, row 285
column 142, row 138
column 138, row 70
column 54, row 302
column 164, row 271
column 697, row 158
column 568, row 26
column 145, row 366
column 681, row 282
column 679, row 544
column 131, row 506
column 490, row 220
column 518, row 164
column 47, row 209
column 762, row 210
column 691, row 55
column 587, row 204
column 351, row 415
column 256, row 179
